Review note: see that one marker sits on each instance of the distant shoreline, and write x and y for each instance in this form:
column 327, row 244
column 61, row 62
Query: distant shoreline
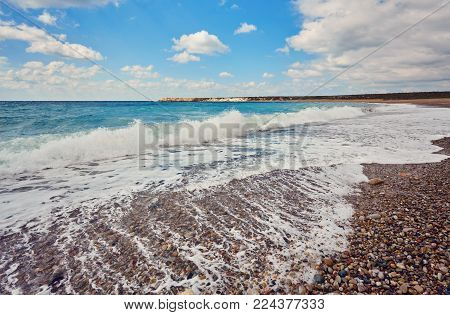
column 419, row 98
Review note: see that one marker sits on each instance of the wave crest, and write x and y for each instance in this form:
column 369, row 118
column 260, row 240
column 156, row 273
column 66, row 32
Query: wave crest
column 57, row 151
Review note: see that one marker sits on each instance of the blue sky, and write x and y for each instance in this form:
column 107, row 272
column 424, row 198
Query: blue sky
column 211, row 57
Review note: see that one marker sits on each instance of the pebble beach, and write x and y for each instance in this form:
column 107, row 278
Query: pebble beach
column 399, row 243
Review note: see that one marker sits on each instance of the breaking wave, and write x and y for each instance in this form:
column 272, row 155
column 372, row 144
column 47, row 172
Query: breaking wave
column 32, row 153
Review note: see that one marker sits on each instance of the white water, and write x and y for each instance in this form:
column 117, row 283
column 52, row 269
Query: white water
column 35, row 153
column 59, row 172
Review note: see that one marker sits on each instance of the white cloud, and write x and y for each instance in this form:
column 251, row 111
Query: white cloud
column 234, row 6
column 296, row 65
column 222, row 2
column 340, row 33
column 200, row 43
column 6, row 23
column 47, row 18
column 299, row 74
column 225, row 75
column 184, row 57
column 283, row 50
column 55, row 73
column 37, row 4
column 189, row 84
column 40, row 42
column 140, row 72
column 245, row 28
column 267, row 75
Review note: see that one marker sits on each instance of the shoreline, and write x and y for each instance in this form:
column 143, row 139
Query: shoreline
column 418, row 98
column 436, row 102
column 399, row 234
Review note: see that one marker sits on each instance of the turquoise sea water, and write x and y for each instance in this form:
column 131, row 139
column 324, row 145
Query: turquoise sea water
column 22, row 119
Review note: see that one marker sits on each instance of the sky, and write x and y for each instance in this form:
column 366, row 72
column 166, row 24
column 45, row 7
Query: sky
column 141, row 50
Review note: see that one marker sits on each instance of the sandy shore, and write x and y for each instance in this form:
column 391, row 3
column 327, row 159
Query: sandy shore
column 399, row 243
column 443, row 102
column 440, row 102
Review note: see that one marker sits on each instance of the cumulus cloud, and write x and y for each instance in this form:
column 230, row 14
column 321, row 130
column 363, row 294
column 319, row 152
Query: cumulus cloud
column 284, row 50
column 201, row 43
column 47, row 18
column 37, row 4
column 296, row 65
column 234, row 6
column 225, row 75
column 140, row 72
column 267, row 75
column 245, row 28
column 41, row 42
column 340, row 33
column 36, row 73
column 299, row 74
column 184, row 57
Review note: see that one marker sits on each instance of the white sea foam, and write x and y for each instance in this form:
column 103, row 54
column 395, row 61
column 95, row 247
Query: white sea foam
column 35, row 153
column 57, row 171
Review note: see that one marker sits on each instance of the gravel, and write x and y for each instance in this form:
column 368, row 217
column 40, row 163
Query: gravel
column 399, row 243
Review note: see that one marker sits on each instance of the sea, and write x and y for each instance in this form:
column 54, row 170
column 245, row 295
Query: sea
column 232, row 187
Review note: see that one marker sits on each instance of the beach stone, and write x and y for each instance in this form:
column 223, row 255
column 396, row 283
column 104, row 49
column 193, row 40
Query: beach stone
column 443, row 269
column 400, row 266
column 375, row 181
column 361, row 287
column 342, row 273
column 318, row 279
column 374, row 216
column 418, row 289
column 328, row 261
column 187, row 291
column 302, row 290
column 380, row 275
column 404, row 288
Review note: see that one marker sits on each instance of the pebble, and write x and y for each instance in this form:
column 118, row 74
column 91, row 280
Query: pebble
column 361, row 288
column 187, row 291
column 418, row 289
column 375, row 181
column 374, row 216
column 328, row 262
column 403, row 288
column 342, row 273
column 318, row 279
column 400, row 266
